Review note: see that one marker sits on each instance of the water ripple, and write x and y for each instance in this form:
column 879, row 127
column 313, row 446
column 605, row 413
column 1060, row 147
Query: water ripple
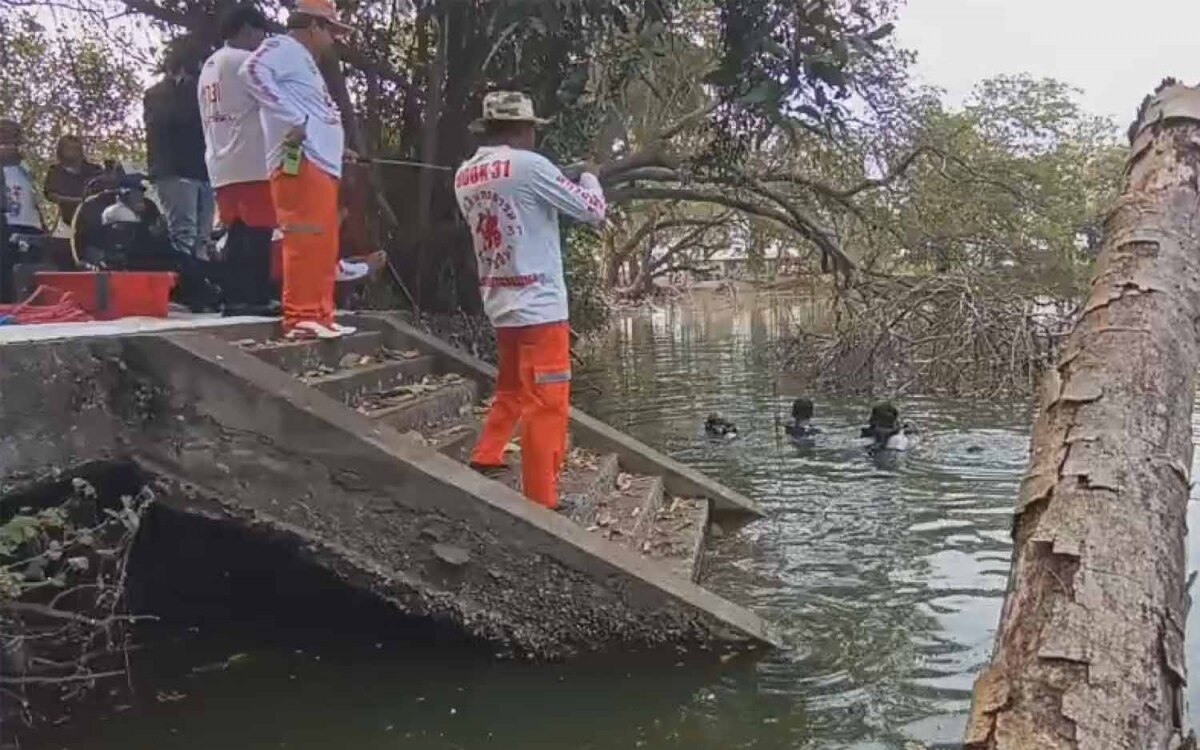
column 885, row 577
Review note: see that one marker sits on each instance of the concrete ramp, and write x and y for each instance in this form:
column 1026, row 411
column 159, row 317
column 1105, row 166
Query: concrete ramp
column 354, row 448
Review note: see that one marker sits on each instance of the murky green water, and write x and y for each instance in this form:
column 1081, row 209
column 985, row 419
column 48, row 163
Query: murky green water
column 886, row 581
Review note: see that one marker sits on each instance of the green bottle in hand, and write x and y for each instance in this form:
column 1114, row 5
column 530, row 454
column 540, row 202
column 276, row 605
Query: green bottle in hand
column 293, row 154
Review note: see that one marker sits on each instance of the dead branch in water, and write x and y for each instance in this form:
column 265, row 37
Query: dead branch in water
column 62, row 593
column 957, row 334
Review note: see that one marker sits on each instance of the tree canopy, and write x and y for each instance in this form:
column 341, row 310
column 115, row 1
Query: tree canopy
column 796, row 123
column 57, row 86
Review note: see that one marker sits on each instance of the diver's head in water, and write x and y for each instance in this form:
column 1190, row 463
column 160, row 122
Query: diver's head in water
column 718, row 426
column 802, row 410
column 884, row 416
column 885, row 430
column 883, row 422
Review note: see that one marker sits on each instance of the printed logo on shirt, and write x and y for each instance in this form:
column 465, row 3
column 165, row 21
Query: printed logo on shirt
column 15, row 197
column 210, row 97
column 479, row 174
column 488, row 229
column 22, row 202
column 511, row 282
column 593, row 201
column 495, row 226
column 211, row 94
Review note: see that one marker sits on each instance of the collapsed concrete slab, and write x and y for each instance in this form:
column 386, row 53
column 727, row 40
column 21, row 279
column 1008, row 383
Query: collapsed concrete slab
column 62, row 405
column 248, row 435
column 399, row 518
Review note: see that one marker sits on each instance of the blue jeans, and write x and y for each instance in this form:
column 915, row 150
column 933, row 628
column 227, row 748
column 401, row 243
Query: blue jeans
column 189, row 207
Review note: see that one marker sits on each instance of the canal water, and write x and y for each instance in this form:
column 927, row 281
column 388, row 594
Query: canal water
column 885, row 580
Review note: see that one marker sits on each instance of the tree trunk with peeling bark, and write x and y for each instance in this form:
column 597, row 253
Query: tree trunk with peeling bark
column 1089, row 653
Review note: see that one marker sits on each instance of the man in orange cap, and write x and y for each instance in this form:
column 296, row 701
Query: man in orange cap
column 299, row 114
column 511, row 197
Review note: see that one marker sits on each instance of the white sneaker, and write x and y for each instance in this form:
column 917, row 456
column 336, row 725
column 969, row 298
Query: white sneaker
column 352, row 271
column 343, row 330
column 311, row 329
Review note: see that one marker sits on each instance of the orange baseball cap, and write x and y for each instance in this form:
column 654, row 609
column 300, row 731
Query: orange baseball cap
column 323, row 9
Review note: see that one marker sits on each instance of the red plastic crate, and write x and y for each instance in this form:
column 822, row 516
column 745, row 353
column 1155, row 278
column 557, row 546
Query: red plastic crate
column 109, row 295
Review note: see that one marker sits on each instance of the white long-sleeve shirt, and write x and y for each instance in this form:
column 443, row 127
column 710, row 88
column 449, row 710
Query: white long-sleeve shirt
column 233, row 136
column 511, row 199
column 21, row 202
column 283, row 76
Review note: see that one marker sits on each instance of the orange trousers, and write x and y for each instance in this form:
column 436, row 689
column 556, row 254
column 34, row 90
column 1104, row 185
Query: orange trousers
column 306, row 206
column 533, row 388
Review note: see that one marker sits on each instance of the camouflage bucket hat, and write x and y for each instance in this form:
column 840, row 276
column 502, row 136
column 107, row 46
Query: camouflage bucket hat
column 507, row 106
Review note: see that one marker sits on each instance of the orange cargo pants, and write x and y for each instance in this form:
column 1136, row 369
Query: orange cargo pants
column 306, row 206
column 534, row 388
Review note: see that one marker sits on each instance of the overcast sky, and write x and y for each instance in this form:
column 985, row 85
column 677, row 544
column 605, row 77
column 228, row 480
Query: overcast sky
column 1115, row 51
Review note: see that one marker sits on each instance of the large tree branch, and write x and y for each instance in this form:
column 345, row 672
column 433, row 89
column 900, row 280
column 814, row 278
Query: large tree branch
column 811, row 229
column 689, row 240
column 895, row 172
column 794, row 219
column 646, row 272
column 654, row 157
column 652, row 174
column 685, row 122
column 656, row 224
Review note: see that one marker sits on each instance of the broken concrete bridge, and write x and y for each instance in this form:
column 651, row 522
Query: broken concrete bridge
column 353, row 450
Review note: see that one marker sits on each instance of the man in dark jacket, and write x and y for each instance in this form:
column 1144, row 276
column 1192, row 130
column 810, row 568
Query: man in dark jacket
column 175, row 148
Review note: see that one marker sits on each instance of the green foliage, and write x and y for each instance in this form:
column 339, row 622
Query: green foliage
column 21, row 530
column 55, row 546
column 57, row 85
column 792, row 64
column 1023, row 177
column 590, row 306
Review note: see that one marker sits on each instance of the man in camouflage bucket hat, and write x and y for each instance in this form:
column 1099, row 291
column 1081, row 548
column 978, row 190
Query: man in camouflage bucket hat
column 510, row 197
column 506, row 106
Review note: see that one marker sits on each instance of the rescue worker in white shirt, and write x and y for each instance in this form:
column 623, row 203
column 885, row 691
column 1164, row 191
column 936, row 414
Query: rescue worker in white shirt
column 236, row 155
column 511, row 197
column 22, row 229
column 305, row 147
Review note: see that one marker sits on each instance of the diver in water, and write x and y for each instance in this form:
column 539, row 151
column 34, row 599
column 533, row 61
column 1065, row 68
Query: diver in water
column 719, row 427
column 800, row 428
column 885, row 430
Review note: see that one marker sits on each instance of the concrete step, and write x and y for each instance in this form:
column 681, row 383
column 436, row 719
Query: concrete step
column 678, row 536
column 730, row 508
column 299, row 357
column 585, row 480
column 588, row 478
column 671, row 531
column 246, row 333
column 352, row 385
column 420, row 406
column 625, row 514
column 456, row 439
